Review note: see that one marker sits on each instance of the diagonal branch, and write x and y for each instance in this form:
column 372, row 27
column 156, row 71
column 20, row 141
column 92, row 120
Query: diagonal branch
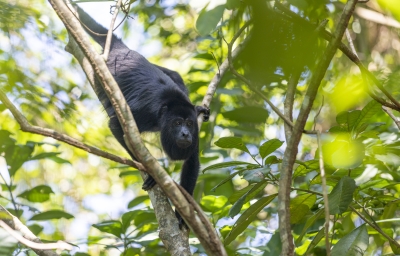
column 26, row 127
column 347, row 51
column 211, row 242
column 110, row 31
column 17, row 229
column 292, row 148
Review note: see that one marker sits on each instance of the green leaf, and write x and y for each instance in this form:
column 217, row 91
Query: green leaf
column 35, row 229
column 113, row 227
column 349, row 118
column 232, row 142
column 58, row 160
column 367, row 112
column 272, row 160
column 341, row 195
column 205, row 56
column 236, row 207
column 17, row 155
column 52, row 215
column 256, row 175
column 317, row 238
column 45, row 155
column 224, row 165
column 300, row 206
column 246, row 197
column 239, row 193
column 37, row 194
column 212, row 203
column 227, row 179
column 269, row 147
column 138, row 200
column 232, row 4
column 247, row 217
column 208, row 20
column 309, row 223
column 247, row 115
column 126, row 220
column 355, row 243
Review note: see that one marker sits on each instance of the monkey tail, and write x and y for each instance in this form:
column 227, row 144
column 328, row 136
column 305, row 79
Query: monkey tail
column 97, row 31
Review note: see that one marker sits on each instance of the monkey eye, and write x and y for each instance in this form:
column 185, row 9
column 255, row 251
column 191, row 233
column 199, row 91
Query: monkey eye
column 178, row 123
column 190, row 123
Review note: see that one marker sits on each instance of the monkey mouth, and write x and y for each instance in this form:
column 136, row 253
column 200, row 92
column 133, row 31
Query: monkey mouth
column 183, row 143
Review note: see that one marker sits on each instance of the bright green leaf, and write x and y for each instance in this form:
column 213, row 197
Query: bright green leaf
column 269, row 147
column 110, row 226
column 212, row 203
column 247, row 217
column 52, row 215
column 208, row 20
column 232, row 142
column 355, row 243
column 247, row 115
column 341, row 196
column 37, row 194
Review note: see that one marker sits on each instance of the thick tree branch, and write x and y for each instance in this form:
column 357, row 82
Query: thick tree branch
column 26, row 127
column 12, row 224
column 211, row 243
column 292, row 146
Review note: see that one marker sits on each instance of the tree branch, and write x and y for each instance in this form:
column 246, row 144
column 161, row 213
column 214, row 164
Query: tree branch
column 353, row 57
column 132, row 135
column 110, row 31
column 292, row 146
column 376, row 227
column 12, row 224
column 325, row 195
column 26, row 127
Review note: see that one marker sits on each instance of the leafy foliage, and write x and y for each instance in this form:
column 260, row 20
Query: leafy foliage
column 61, row 192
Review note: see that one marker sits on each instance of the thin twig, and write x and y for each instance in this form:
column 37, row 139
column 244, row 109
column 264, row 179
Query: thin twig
column 26, row 127
column 325, row 193
column 376, row 227
column 110, row 31
column 389, row 112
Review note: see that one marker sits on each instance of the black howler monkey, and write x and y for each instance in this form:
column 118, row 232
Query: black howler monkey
column 158, row 100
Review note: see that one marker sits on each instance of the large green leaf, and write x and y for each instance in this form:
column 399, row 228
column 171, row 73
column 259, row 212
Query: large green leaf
column 269, row 147
column 110, row 226
column 300, row 206
column 237, row 206
column 355, row 243
column 17, row 155
column 208, row 20
column 247, row 115
column 341, row 196
column 37, row 194
column 138, row 200
column 348, row 118
column 232, row 142
column 212, row 203
column 247, row 217
column 310, row 221
column 367, row 112
column 51, row 215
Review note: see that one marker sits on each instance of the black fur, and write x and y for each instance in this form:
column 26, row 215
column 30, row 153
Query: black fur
column 158, row 99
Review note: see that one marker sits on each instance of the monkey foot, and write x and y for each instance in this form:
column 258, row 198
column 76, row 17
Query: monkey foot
column 205, row 110
column 149, row 183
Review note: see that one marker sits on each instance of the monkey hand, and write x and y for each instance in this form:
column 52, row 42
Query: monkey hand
column 203, row 110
